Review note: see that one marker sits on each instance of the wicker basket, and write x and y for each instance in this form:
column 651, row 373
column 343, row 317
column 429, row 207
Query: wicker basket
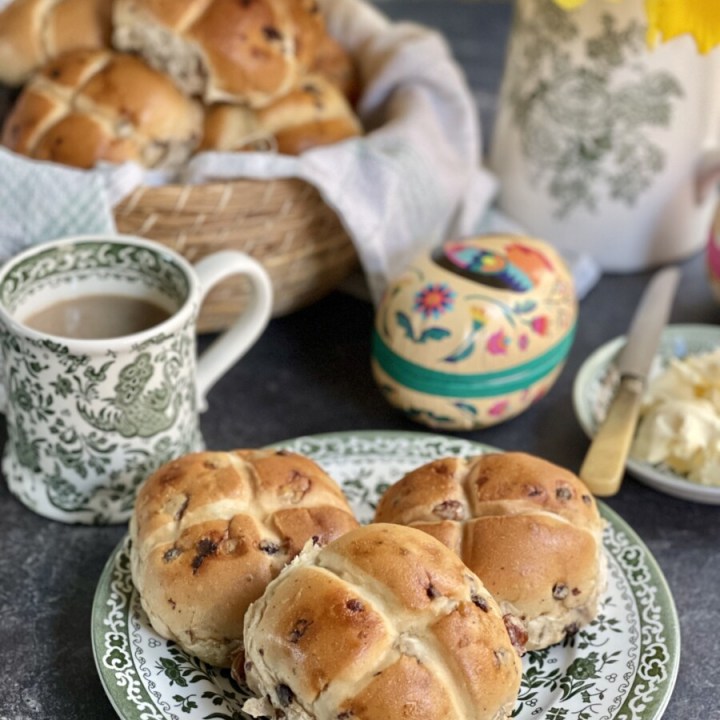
column 284, row 224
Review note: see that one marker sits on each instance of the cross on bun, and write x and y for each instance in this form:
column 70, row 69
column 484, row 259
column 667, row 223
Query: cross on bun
column 93, row 105
column 528, row 528
column 384, row 623
column 211, row 529
column 35, row 31
column 315, row 113
column 247, row 51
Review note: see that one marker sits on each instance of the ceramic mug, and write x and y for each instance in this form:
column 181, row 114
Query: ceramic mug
column 90, row 417
column 601, row 145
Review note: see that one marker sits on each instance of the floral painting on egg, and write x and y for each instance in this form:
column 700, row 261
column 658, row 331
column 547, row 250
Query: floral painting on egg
column 434, row 300
column 475, row 332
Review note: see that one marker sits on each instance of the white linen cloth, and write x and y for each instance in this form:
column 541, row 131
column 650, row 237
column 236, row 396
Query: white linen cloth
column 413, row 180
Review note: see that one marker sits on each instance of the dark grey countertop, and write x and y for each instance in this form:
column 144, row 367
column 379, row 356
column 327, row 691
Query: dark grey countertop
column 309, row 374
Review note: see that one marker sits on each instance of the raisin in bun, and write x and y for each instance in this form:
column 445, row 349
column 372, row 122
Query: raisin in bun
column 316, row 113
column 35, row 31
column 210, row 530
column 384, row 623
column 249, row 51
column 528, row 528
column 98, row 105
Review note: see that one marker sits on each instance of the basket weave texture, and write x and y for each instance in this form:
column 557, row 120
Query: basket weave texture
column 284, row 224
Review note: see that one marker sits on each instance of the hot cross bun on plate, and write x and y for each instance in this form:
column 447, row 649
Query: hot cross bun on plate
column 528, row 528
column 210, row 530
column 384, row 623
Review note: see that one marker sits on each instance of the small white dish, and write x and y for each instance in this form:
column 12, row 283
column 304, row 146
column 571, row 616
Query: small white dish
column 594, row 386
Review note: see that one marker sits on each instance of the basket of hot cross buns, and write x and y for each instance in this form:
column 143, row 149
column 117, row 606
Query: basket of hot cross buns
column 253, row 561
column 244, row 116
column 157, row 82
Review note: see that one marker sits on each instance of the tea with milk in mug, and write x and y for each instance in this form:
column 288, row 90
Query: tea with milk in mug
column 96, row 317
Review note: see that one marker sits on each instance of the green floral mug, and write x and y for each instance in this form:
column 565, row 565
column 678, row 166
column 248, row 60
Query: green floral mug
column 89, row 416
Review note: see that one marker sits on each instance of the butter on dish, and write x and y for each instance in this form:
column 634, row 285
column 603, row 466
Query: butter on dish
column 680, row 419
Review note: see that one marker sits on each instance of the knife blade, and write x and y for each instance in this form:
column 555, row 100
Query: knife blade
column 604, row 464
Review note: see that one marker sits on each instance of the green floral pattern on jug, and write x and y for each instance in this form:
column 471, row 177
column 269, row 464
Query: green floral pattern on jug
column 621, row 667
column 584, row 122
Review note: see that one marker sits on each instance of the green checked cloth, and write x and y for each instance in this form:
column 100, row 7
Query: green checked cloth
column 41, row 201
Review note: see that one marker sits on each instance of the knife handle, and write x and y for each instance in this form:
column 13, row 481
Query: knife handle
column 604, row 465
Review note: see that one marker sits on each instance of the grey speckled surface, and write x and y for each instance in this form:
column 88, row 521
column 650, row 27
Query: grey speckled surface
column 310, row 374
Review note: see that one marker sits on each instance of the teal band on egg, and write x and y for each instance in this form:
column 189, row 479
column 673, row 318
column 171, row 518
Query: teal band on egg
column 459, row 385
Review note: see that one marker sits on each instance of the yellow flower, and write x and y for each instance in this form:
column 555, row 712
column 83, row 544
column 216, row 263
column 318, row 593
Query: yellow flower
column 572, row 4
column 669, row 18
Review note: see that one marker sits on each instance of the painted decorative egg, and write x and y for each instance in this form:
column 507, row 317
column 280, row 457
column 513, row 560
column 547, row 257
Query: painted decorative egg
column 475, row 332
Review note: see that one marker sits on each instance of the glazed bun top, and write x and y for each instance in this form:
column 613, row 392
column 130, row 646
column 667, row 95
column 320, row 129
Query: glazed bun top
column 384, row 622
column 209, row 532
column 529, row 529
column 249, row 51
column 88, row 106
column 315, row 113
column 32, row 32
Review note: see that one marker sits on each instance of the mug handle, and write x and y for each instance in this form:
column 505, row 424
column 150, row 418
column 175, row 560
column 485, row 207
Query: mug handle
column 239, row 338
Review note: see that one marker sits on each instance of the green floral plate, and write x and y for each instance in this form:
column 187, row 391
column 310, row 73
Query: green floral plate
column 622, row 667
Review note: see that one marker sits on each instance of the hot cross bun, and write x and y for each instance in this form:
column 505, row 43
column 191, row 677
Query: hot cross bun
column 210, row 530
column 528, row 528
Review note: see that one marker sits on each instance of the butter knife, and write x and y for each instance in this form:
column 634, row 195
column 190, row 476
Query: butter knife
column 604, row 465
